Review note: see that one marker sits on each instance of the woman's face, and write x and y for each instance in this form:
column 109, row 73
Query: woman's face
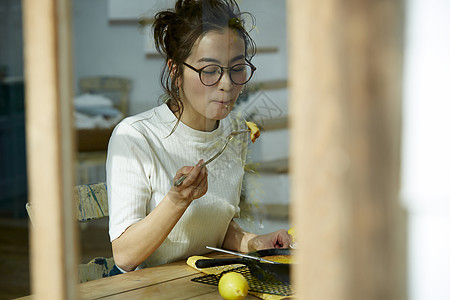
column 204, row 105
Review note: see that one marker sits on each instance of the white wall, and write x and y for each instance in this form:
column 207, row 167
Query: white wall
column 101, row 48
column 426, row 148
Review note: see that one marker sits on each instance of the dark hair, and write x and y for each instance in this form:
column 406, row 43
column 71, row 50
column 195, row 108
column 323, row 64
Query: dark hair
column 176, row 30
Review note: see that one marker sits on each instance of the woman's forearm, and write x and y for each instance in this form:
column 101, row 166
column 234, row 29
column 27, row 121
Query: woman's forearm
column 141, row 239
column 237, row 239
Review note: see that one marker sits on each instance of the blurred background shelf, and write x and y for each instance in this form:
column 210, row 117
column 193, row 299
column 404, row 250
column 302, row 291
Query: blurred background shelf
column 89, row 140
column 280, row 165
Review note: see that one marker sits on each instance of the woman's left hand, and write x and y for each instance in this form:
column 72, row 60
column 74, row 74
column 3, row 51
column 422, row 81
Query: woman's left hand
column 277, row 239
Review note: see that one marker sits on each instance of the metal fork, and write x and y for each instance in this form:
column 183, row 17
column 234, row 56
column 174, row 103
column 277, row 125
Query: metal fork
column 228, row 139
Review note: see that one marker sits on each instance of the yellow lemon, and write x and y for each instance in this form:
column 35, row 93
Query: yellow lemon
column 233, row 286
column 291, row 231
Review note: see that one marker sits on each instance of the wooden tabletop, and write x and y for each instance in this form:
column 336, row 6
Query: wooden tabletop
column 169, row 281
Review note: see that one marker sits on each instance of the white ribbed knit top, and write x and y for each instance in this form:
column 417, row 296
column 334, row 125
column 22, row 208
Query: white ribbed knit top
column 142, row 161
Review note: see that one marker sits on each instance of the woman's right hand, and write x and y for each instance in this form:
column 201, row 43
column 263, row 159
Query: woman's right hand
column 193, row 187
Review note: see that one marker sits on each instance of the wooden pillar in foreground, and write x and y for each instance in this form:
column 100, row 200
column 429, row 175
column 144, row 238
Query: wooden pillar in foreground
column 47, row 33
column 345, row 116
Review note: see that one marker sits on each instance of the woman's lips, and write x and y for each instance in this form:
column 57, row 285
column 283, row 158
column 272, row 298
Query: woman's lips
column 226, row 103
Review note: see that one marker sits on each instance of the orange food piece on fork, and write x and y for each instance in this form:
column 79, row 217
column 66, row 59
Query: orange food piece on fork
column 254, row 131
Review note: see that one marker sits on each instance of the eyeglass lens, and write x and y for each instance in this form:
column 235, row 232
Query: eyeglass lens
column 239, row 74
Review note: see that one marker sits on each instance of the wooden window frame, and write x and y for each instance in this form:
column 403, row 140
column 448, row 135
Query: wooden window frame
column 50, row 150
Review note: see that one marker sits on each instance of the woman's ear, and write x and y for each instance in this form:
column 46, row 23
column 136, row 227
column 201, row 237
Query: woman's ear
column 173, row 71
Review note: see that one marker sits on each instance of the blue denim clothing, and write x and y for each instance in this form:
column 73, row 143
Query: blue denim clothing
column 115, row 271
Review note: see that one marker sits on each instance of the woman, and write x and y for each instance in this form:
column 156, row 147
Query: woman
column 152, row 221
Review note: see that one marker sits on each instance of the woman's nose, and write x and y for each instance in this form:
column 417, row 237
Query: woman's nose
column 225, row 82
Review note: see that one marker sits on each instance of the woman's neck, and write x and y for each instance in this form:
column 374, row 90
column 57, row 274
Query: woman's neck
column 196, row 122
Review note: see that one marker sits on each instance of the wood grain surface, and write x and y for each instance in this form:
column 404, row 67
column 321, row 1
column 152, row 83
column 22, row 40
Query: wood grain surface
column 345, row 114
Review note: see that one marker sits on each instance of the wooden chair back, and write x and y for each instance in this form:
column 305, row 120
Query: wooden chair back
column 91, row 202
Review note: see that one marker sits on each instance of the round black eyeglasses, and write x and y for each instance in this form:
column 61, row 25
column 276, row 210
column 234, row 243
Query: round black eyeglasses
column 211, row 74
